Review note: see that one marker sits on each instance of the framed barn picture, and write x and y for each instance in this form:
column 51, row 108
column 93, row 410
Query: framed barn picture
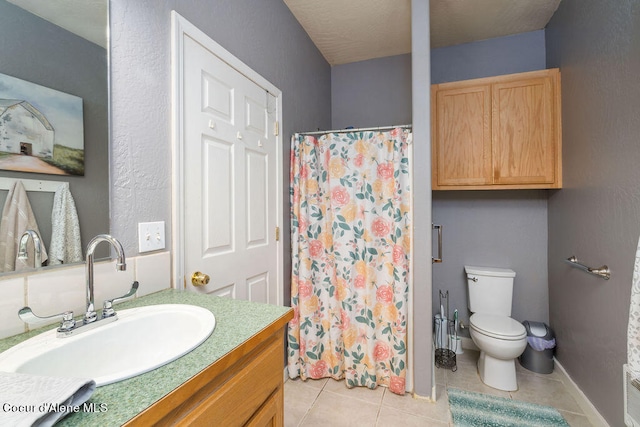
column 41, row 129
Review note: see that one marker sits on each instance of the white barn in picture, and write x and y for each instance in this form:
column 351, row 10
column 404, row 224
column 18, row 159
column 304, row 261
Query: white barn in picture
column 24, row 129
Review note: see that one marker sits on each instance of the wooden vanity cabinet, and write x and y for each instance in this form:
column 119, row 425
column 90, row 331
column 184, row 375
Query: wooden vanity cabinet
column 497, row 133
column 243, row 388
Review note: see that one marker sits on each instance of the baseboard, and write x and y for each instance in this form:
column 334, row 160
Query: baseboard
column 581, row 399
column 468, row 344
column 425, row 398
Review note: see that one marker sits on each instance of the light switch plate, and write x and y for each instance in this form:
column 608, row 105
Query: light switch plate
column 150, row 236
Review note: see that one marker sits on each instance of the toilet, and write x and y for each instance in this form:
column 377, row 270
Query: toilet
column 500, row 338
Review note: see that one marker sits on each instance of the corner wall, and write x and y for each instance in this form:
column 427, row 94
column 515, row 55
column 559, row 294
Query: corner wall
column 596, row 216
column 421, row 111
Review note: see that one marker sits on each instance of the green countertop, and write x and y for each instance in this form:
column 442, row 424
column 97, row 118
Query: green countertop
column 236, row 322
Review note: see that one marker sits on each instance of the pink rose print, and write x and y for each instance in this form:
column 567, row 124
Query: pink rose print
column 340, row 196
column 398, row 254
column 316, row 248
column 318, row 369
column 359, row 160
column 384, row 294
column 305, row 289
column 380, row 227
column 397, row 385
column 345, row 320
column 385, row 170
column 302, row 225
column 359, row 282
column 381, row 351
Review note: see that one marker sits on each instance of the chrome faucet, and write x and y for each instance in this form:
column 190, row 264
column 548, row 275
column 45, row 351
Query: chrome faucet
column 37, row 247
column 69, row 326
column 90, row 315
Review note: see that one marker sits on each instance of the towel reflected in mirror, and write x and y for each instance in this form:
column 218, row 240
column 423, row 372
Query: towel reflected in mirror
column 17, row 217
column 66, row 246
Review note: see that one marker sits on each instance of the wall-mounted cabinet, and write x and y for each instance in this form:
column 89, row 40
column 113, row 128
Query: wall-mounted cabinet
column 497, row 133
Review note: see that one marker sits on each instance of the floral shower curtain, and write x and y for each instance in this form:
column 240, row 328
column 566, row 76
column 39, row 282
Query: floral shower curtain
column 351, row 247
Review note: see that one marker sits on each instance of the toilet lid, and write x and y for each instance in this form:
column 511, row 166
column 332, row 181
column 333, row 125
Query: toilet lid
column 502, row 327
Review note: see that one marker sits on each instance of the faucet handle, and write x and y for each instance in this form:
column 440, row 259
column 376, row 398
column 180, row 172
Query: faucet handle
column 67, row 324
column 107, row 306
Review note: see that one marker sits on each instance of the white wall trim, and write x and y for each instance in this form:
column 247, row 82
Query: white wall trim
column 181, row 28
column 581, row 399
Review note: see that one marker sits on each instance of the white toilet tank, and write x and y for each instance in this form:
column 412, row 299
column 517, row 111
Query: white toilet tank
column 490, row 289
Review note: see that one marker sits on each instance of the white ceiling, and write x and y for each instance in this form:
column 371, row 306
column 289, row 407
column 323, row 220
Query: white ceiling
column 356, row 30
column 85, row 18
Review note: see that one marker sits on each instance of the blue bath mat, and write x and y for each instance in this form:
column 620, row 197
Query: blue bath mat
column 470, row 409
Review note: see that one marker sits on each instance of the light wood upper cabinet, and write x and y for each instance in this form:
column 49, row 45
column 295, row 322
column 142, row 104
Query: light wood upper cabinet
column 497, row 133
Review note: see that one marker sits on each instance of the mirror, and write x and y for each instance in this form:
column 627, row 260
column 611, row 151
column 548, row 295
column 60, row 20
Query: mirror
column 62, row 45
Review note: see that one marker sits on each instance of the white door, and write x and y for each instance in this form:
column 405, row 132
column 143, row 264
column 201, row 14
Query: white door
column 230, row 179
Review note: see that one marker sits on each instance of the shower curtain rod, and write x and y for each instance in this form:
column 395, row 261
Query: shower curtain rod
column 320, row 132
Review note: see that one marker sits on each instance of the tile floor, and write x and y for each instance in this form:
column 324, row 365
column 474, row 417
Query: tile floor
column 329, row 403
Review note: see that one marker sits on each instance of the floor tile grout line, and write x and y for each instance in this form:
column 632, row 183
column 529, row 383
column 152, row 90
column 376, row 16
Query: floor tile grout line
column 312, row 404
column 380, row 408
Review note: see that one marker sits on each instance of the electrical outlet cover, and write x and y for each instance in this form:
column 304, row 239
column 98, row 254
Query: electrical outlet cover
column 151, row 236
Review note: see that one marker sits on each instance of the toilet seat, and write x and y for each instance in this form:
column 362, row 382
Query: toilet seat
column 496, row 326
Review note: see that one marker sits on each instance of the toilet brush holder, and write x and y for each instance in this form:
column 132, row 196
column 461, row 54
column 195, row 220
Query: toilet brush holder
column 446, row 358
column 455, row 344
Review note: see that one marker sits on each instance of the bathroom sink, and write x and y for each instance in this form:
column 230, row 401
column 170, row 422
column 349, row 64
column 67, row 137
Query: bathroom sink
column 142, row 339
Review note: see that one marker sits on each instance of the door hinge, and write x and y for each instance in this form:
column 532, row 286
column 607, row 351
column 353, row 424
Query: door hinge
column 276, row 128
column 277, row 234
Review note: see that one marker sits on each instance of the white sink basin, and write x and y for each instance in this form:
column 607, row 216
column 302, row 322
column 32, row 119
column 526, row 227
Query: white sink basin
column 142, row 339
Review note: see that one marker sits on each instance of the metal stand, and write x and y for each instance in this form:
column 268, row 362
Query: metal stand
column 444, row 329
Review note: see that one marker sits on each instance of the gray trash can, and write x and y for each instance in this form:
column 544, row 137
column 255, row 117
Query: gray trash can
column 541, row 341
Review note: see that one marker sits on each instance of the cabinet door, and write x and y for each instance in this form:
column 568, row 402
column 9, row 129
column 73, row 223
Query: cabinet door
column 461, row 128
column 271, row 414
column 525, row 137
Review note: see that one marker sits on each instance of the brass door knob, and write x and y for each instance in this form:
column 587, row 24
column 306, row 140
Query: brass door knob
column 199, row 279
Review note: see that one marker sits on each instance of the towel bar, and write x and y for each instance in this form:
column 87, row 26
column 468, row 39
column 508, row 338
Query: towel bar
column 600, row 272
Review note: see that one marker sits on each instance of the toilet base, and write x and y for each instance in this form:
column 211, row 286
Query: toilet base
column 497, row 373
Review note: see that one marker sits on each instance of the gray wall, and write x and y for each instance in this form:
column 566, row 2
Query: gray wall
column 492, row 228
column 262, row 33
column 371, row 93
column 502, row 55
column 596, row 216
column 37, row 51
